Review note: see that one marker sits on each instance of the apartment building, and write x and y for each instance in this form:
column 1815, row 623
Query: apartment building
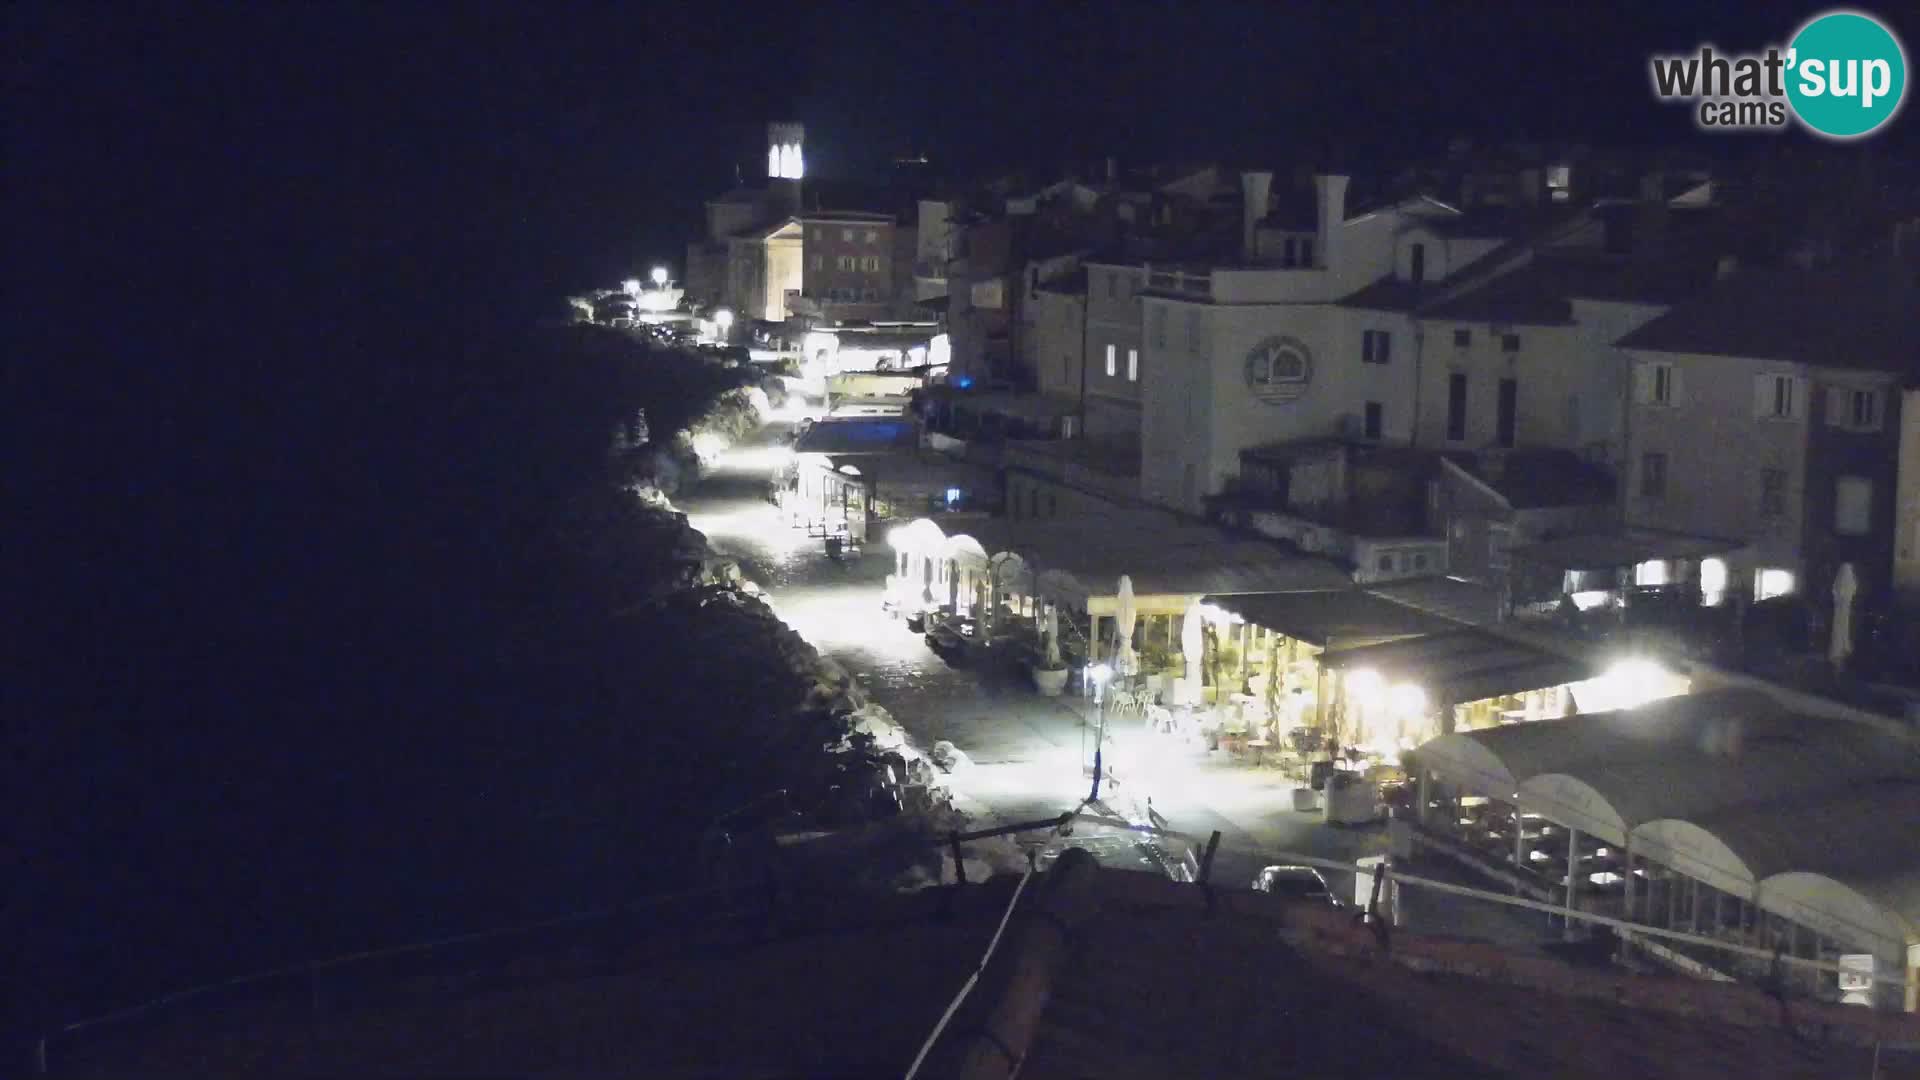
column 1770, row 411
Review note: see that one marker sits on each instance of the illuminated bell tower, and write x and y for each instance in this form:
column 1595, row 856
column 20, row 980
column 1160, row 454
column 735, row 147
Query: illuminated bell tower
column 786, row 165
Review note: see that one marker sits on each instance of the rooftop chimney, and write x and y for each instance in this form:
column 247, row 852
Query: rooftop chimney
column 1255, row 193
column 1650, row 216
column 1330, row 195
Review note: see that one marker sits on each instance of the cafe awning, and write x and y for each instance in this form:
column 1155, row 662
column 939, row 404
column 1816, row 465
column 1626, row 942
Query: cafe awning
column 1450, row 598
column 1178, row 570
column 1332, row 619
column 1464, row 664
column 1495, row 761
column 1622, row 548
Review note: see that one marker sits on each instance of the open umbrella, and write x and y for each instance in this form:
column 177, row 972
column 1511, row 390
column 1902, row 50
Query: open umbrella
column 1845, row 585
column 1123, row 621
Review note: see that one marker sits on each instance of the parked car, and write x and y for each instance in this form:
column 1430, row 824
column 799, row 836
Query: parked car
column 1295, row 883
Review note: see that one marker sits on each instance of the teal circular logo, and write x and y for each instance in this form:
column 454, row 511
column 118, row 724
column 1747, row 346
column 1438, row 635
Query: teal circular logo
column 1846, row 75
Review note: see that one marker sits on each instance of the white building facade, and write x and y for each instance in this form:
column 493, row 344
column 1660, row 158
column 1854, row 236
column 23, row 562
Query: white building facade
column 1253, row 351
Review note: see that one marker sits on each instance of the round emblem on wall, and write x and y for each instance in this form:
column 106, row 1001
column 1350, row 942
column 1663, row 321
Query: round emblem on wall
column 1279, row 370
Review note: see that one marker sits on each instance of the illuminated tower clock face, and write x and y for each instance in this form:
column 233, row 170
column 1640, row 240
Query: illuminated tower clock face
column 1279, row 370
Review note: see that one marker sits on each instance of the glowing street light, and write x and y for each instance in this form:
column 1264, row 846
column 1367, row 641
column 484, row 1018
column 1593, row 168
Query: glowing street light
column 723, row 319
column 631, row 286
column 659, row 277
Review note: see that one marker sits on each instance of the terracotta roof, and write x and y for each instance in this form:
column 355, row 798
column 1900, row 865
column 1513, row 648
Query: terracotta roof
column 1531, row 478
column 1159, row 980
column 1502, row 222
column 1389, row 294
column 1519, row 297
column 1861, row 315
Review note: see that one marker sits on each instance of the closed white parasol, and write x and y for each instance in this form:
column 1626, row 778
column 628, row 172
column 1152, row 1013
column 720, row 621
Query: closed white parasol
column 1845, row 585
column 1191, row 646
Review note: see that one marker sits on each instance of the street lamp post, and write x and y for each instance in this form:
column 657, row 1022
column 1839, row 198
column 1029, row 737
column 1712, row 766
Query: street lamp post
column 659, row 277
column 723, row 322
column 1098, row 673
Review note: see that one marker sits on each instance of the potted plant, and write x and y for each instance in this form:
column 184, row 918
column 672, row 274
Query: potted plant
column 1050, row 671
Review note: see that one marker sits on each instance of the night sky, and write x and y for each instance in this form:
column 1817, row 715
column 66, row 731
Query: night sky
column 250, row 248
column 567, row 144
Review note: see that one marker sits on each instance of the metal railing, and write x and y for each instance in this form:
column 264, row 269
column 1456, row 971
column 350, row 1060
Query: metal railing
column 313, row 983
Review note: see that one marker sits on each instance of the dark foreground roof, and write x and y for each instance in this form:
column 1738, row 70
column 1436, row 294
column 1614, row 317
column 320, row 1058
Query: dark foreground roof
column 1156, row 980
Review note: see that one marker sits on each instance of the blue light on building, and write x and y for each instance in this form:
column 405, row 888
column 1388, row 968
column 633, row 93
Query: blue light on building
column 953, row 496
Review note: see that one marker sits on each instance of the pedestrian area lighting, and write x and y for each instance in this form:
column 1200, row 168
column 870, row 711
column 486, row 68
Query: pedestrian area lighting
column 1629, row 683
column 1097, row 676
column 659, row 277
column 631, row 286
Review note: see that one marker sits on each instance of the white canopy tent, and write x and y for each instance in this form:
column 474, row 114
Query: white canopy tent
column 1810, row 819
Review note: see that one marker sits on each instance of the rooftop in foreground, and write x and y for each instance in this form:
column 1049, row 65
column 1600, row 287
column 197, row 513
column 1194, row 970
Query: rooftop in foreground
column 1157, row 979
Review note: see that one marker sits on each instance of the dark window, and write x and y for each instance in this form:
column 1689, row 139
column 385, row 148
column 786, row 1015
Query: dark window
column 1853, row 506
column 1417, row 271
column 1510, row 343
column 1053, row 505
column 1386, row 564
column 1462, row 338
column 1863, row 409
column 1306, row 251
column 1457, row 406
column 1509, row 404
column 1653, row 476
column 1376, row 347
column 1419, row 560
column 1113, row 286
column 1773, row 492
column 1374, row 419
